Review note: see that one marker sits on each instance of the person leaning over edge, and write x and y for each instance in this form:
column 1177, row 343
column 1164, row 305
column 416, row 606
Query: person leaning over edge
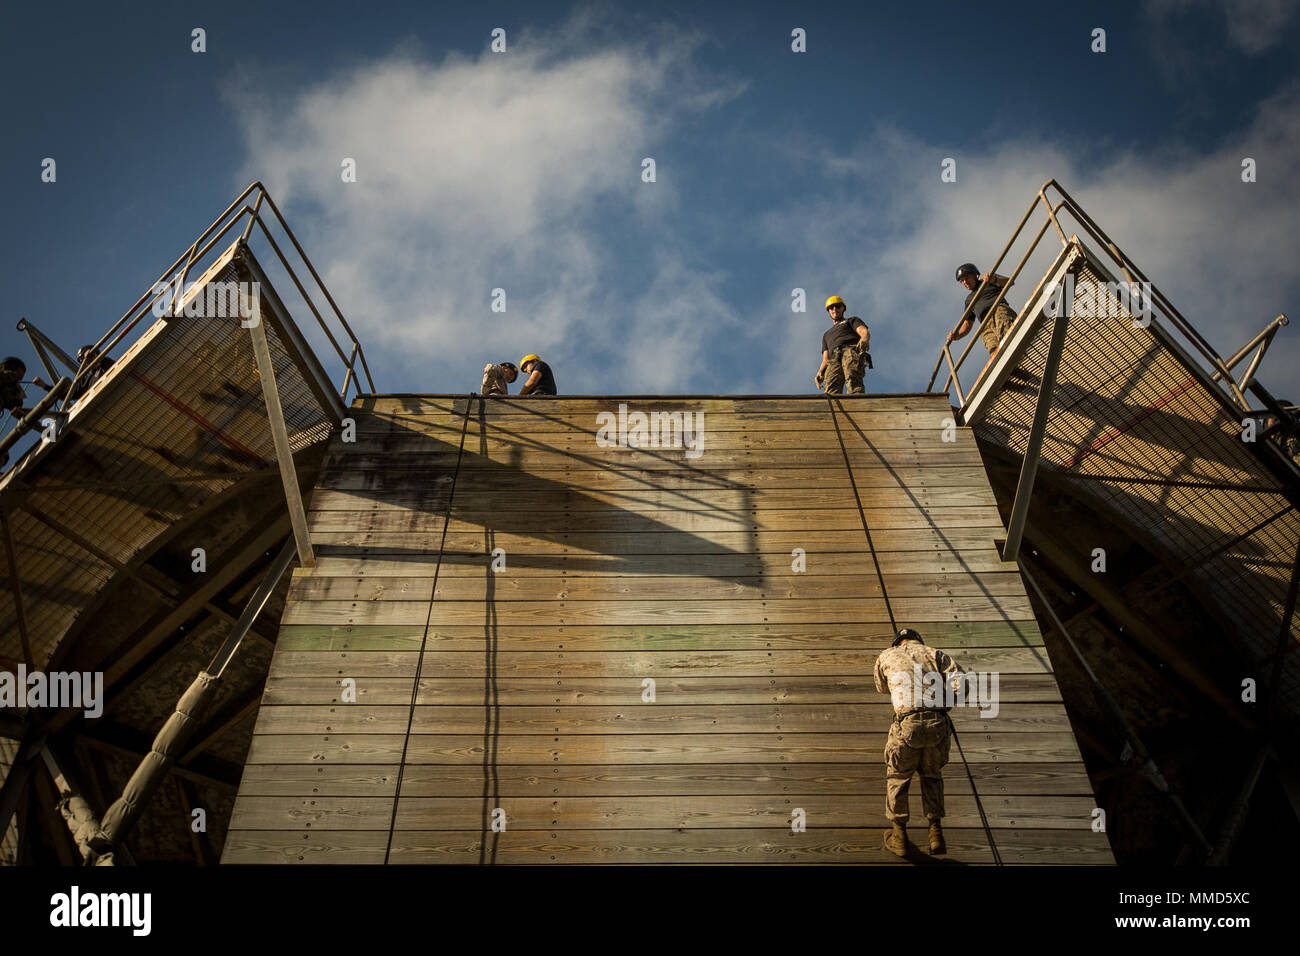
column 496, row 378
column 99, row 364
column 12, row 394
column 541, row 381
column 919, row 736
column 999, row 324
column 844, row 351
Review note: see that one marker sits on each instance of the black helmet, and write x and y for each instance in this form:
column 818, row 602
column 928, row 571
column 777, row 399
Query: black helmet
column 906, row 634
column 966, row 269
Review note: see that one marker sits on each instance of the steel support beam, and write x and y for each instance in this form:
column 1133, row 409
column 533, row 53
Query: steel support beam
column 130, row 751
column 1262, row 339
column 47, row 798
column 76, row 813
column 1284, row 636
column 1116, row 604
column 280, row 434
column 221, row 723
column 28, row 422
column 292, row 341
column 1029, row 467
column 20, row 771
column 233, row 562
column 40, row 343
column 15, row 584
column 148, row 577
column 1237, row 814
column 171, row 740
column 1141, row 757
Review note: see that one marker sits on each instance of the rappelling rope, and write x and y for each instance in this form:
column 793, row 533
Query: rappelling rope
column 419, row 667
column 979, row 804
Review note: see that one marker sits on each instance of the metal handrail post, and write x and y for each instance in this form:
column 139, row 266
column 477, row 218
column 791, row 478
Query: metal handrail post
column 280, row 435
column 1267, row 332
column 181, row 725
column 1034, row 444
column 975, row 333
column 329, row 298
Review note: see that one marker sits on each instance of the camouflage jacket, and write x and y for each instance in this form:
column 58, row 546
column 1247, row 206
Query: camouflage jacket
column 902, row 673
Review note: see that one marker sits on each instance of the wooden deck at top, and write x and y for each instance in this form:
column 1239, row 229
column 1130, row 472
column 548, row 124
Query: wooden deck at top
column 739, row 581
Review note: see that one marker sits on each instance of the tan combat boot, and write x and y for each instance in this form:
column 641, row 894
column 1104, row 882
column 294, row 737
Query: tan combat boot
column 937, row 844
column 896, row 841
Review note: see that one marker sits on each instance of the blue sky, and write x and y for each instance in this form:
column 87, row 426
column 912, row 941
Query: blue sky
column 775, row 170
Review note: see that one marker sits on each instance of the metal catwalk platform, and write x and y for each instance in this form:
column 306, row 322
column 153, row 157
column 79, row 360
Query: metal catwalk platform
column 1145, row 419
column 1156, row 498
column 147, row 508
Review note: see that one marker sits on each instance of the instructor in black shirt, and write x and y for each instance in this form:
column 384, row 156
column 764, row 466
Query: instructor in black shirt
column 844, row 351
column 540, row 379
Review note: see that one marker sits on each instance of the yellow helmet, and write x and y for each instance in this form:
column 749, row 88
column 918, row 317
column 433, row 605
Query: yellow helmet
column 529, row 358
column 834, row 300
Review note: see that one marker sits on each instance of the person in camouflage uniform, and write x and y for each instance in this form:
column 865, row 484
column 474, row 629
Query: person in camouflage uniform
column 844, row 351
column 496, row 378
column 919, row 736
column 999, row 323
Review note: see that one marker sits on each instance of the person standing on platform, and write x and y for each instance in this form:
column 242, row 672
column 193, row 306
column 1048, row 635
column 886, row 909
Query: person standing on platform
column 844, row 351
column 919, row 736
column 98, row 365
column 541, row 381
column 999, row 324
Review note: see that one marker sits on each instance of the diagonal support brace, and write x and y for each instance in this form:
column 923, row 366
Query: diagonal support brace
column 279, row 433
column 1034, row 446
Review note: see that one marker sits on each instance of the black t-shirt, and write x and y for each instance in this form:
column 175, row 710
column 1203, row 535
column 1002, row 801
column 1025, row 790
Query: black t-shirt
column 547, row 385
column 12, row 397
column 985, row 301
column 844, row 332
column 93, row 376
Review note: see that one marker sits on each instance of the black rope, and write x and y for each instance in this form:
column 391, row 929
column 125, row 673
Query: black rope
column 889, row 609
column 419, row 666
column 979, row 804
column 491, row 692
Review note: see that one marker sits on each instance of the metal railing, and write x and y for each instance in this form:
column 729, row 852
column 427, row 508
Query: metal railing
column 171, row 284
column 1054, row 204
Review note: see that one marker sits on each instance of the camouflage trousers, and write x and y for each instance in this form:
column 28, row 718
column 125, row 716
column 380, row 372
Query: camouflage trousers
column 917, row 744
column 847, row 363
column 494, row 381
column 997, row 326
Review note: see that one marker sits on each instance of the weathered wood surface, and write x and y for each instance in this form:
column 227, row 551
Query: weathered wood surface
column 548, row 780
column 968, row 845
column 614, row 690
column 739, row 582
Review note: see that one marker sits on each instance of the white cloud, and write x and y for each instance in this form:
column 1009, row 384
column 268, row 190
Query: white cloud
column 889, row 238
column 502, row 170
column 522, row 171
